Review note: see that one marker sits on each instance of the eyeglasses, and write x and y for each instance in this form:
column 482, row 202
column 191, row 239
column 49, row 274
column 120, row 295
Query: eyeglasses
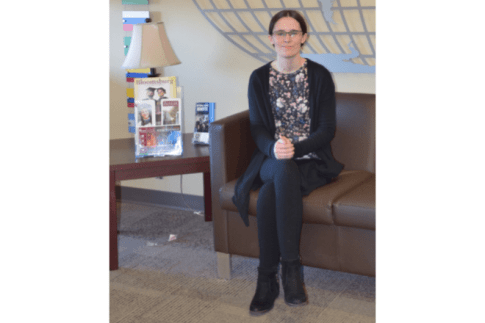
column 280, row 34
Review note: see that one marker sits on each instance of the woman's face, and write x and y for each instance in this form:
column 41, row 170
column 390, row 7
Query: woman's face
column 144, row 113
column 287, row 47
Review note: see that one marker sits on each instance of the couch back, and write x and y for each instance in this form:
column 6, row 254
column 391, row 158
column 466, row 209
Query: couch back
column 354, row 142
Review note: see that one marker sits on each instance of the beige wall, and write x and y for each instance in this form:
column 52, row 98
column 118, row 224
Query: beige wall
column 212, row 70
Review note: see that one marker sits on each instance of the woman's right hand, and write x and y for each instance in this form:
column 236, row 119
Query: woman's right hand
column 283, row 148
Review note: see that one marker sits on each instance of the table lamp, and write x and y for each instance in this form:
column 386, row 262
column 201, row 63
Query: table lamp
column 149, row 48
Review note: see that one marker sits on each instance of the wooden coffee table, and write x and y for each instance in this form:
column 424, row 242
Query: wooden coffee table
column 123, row 166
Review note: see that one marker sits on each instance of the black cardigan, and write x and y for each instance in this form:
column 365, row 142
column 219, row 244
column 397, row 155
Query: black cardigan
column 322, row 129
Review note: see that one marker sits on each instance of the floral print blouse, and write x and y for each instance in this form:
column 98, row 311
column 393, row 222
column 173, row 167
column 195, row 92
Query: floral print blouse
column 289, row 94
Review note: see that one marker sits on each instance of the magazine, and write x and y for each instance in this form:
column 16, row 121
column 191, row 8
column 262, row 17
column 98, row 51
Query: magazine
column 157, row 118
column 156, row 89
column 204, row 115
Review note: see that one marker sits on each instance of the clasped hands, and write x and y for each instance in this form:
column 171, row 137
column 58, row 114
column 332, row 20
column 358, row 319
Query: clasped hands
column 284, row 149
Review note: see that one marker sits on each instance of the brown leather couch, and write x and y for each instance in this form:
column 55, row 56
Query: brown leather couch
column 338, row 219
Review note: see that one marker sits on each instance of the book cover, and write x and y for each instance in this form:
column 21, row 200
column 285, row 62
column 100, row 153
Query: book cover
column 204, row 115
column 131, row 123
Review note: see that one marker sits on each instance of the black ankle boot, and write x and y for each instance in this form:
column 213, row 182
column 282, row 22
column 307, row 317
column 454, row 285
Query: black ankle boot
column 267, row 290
column 293, row 284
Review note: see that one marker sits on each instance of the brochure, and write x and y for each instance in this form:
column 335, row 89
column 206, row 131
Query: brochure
column 204, row 115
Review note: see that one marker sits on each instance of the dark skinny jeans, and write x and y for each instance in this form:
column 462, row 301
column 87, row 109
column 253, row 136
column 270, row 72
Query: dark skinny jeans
column 279, row 212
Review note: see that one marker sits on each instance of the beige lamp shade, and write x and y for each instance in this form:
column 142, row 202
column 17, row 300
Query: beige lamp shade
column 149, row 47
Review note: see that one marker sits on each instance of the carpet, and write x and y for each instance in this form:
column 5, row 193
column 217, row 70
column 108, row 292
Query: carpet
column 176, row 281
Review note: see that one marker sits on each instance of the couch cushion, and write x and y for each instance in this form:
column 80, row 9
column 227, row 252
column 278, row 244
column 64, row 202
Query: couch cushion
column 357, row 208
column 317, row 207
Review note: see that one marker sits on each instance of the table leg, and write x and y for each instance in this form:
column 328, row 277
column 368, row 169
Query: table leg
column 207, row 196
column 113, row 224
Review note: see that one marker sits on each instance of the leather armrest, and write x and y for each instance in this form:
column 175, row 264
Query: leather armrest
column 231, row 148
